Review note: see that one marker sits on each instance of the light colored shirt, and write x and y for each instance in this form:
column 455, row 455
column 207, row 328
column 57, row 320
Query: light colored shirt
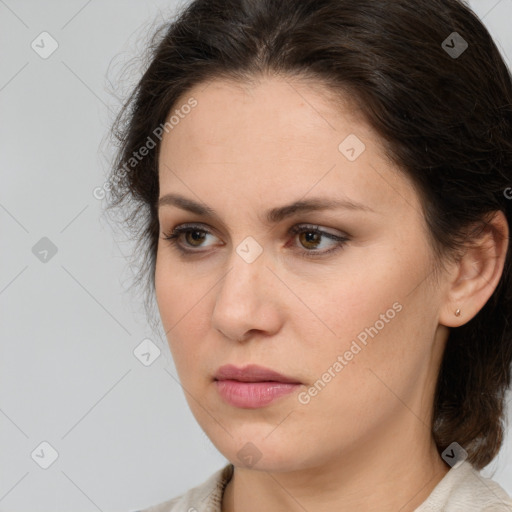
column 462, row 489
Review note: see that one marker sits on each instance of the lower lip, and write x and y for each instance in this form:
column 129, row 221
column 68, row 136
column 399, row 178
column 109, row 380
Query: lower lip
column 252, row 395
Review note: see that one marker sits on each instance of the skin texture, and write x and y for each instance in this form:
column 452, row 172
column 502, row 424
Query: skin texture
column 364, row 441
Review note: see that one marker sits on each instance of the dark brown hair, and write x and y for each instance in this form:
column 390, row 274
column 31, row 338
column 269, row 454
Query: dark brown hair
column 445, row 119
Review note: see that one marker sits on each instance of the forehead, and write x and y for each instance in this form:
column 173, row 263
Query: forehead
column 280, row 132
column 264, row 114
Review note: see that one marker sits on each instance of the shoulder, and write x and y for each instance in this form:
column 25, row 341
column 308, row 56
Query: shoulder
column 465, row 489
column 206, row 497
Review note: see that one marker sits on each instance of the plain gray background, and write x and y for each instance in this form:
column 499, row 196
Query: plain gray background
column 123, row 432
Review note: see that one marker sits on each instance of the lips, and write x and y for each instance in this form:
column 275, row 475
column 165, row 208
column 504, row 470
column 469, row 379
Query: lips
column 252, row 373
column 252, row 386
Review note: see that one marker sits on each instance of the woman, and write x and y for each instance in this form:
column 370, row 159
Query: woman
column 322, row 191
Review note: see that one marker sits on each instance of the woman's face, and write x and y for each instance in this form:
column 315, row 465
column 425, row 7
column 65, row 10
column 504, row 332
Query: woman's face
column 352, row 323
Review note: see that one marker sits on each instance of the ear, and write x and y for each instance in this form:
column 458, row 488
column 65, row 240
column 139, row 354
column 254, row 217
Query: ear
column 475, row 276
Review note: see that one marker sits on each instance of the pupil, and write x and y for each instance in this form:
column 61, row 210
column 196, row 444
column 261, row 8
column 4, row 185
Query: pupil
column 196, row 235
column 310, row 236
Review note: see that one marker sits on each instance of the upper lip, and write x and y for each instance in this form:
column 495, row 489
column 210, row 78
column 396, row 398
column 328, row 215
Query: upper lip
column 251, row 373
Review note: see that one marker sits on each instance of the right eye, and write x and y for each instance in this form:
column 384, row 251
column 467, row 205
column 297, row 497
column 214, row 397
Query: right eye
column 193, row 235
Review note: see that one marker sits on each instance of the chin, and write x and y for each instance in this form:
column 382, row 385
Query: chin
column 253, row 448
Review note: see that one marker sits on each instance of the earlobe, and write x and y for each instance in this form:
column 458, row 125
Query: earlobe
column 477, row 273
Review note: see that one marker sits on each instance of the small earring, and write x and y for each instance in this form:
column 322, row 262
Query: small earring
column 457, row 313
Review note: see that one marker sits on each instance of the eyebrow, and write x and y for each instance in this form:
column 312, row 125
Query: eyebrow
column 272, row 216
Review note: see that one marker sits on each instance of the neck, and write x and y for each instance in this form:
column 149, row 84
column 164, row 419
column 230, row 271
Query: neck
column 366, row 478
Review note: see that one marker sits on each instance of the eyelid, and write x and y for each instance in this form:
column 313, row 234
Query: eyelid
column 298, row 228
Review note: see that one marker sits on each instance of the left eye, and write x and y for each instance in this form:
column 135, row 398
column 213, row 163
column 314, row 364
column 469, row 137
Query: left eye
column 309, row 237
column 313, row 236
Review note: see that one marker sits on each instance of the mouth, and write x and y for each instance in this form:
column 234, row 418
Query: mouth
column 252, row 373
column 252, row 386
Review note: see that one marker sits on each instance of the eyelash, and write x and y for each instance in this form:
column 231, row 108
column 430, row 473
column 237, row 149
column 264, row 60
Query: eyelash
column 174, row 235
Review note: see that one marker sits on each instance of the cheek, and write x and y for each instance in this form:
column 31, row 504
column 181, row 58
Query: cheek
column 165, row 286
column 175, row 304
column 384, row 341
column 181, row 308
column 175, row 292
column 374, row 314
column 355, row 387
column 354, row 300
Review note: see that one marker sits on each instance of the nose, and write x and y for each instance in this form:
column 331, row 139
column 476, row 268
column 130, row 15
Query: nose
column 247, row 300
